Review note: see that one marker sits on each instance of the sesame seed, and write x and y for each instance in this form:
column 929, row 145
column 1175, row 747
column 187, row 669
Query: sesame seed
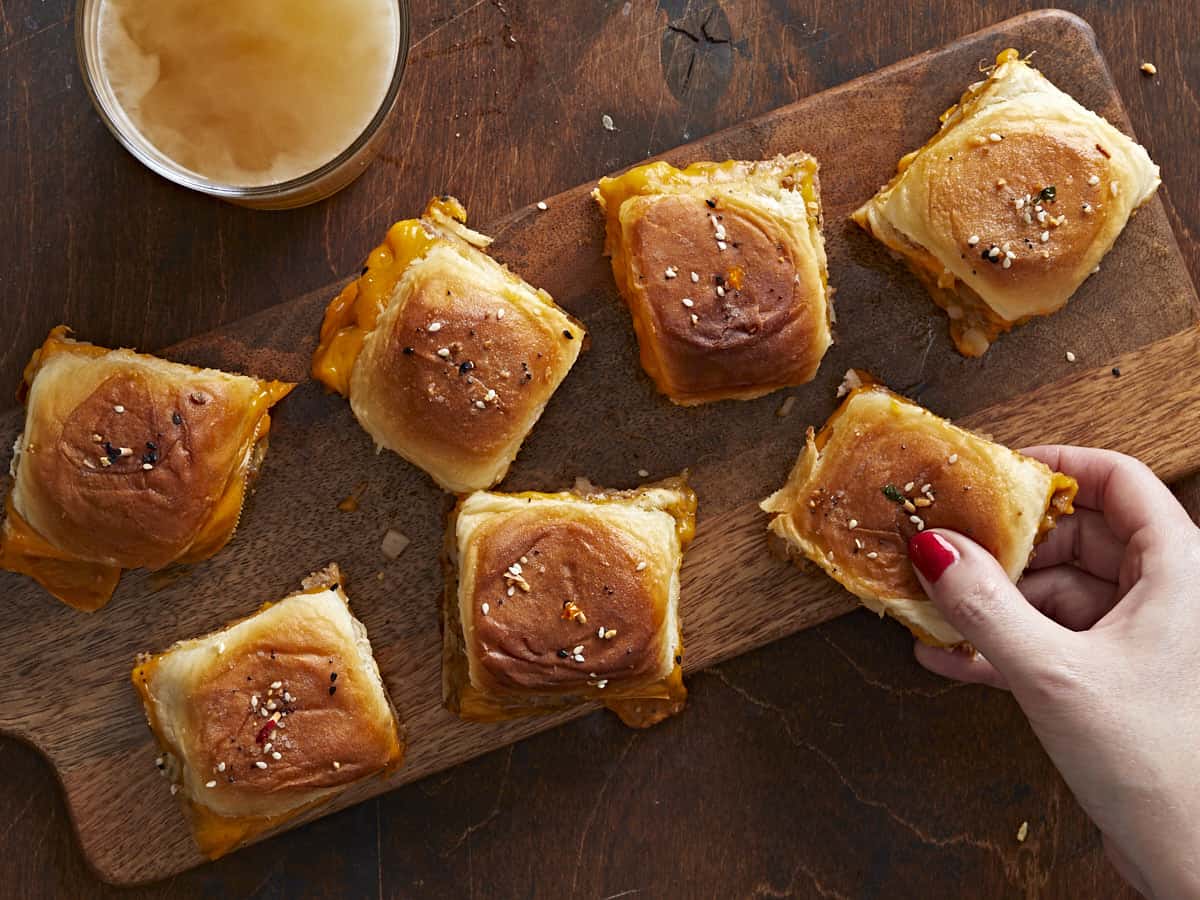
column 490, row 395
column 434, row 327
column 600, row 632
column 607, row 122
column 640, row 566
column 994, row 253
column 852, row 524
column 336, row 765
column 973, row 240
column 1007, row 264
column 695, row 278
column 916, row 520
column 1070, row 356
column 254, row 702
column 486, row 609
column 542, row 205
column 671, row 272
column 220, row 767
column 1114, row 188
column 578, row 657
column 610, row 633
column 1019, row 203
column 995, row 138
column 118, row 408
column 1045, row 236
column 953, row 458
column 720, row 245
column 210, row 784
column 1009, row 254
column 1094, row 180
column 858, row 544
column 720, row 291
column 146, row 467
column 695, row 318
column 260, row 764
column 926, row 488
column 276, row 755
column 688, row 302
column 578, row 649
column 499, row 314
column 908, row 487
column 643, row 473
column 872, row 555
column 443, row 352
column 276, row 685
column 480, row 404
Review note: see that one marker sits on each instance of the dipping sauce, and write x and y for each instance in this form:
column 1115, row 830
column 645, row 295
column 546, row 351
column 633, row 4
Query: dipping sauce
column 249, row 92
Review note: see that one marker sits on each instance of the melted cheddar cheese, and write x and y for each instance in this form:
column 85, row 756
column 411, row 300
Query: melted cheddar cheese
column 352, row 314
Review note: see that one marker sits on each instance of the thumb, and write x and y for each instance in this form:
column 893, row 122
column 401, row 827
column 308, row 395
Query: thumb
column 974, row 594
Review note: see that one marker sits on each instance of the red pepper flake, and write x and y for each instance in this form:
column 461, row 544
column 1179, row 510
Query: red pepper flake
column 265, row 732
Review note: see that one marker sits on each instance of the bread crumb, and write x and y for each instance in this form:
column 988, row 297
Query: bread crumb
column 394, row 543
column 1023, row 832
column 1149, row 68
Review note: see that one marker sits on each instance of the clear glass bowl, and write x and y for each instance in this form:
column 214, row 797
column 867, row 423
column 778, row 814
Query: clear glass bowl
column 316, row 185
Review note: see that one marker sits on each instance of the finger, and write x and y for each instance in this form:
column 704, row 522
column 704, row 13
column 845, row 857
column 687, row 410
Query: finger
column 973, row 592
column 968, row 666
column 1084, row 538
column 1125, row 866
column 1124, row 489
column 1069, row 595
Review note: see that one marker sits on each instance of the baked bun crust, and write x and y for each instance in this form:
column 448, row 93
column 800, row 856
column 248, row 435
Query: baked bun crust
column 723, row 267
column 555, row 599
column 127, row 461
column 1012, row 204
column 883, row 468
column 271, row 715
column 447, row 357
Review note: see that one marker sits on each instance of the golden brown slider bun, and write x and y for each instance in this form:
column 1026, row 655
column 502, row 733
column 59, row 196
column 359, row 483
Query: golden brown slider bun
column 270, row 716
column 723, row 267
column 127, row 461
column 447, row 357
column 1012, row 204
column 555, row 599
column 883, row 468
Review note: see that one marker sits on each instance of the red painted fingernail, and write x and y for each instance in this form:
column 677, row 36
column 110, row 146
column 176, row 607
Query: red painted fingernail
column 931, row 553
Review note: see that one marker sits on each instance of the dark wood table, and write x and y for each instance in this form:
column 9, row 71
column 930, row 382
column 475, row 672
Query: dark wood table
column 826, row 765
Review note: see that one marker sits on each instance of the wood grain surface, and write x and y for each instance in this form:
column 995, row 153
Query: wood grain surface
column 718, row 805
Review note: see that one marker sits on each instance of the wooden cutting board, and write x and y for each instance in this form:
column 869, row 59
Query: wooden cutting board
column 64, row 675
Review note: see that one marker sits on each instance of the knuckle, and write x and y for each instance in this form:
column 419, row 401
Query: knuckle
column 973, row 607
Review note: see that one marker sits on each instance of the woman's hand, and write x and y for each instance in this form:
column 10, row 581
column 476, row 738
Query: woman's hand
column 1100, row 645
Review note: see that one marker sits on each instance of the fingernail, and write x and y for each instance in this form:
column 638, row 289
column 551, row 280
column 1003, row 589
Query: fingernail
column 931, row 553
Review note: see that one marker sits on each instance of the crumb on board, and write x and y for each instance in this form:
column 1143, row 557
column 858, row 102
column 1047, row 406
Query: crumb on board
column 1023, row 832
column 394, row 543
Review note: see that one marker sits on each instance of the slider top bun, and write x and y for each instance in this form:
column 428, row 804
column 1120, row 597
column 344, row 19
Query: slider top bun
column 1012, row 204
column 558, row 597
column 883, row 468
column 447, row 357
column 127, row 461
column 723, row 267
column 270, row 715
